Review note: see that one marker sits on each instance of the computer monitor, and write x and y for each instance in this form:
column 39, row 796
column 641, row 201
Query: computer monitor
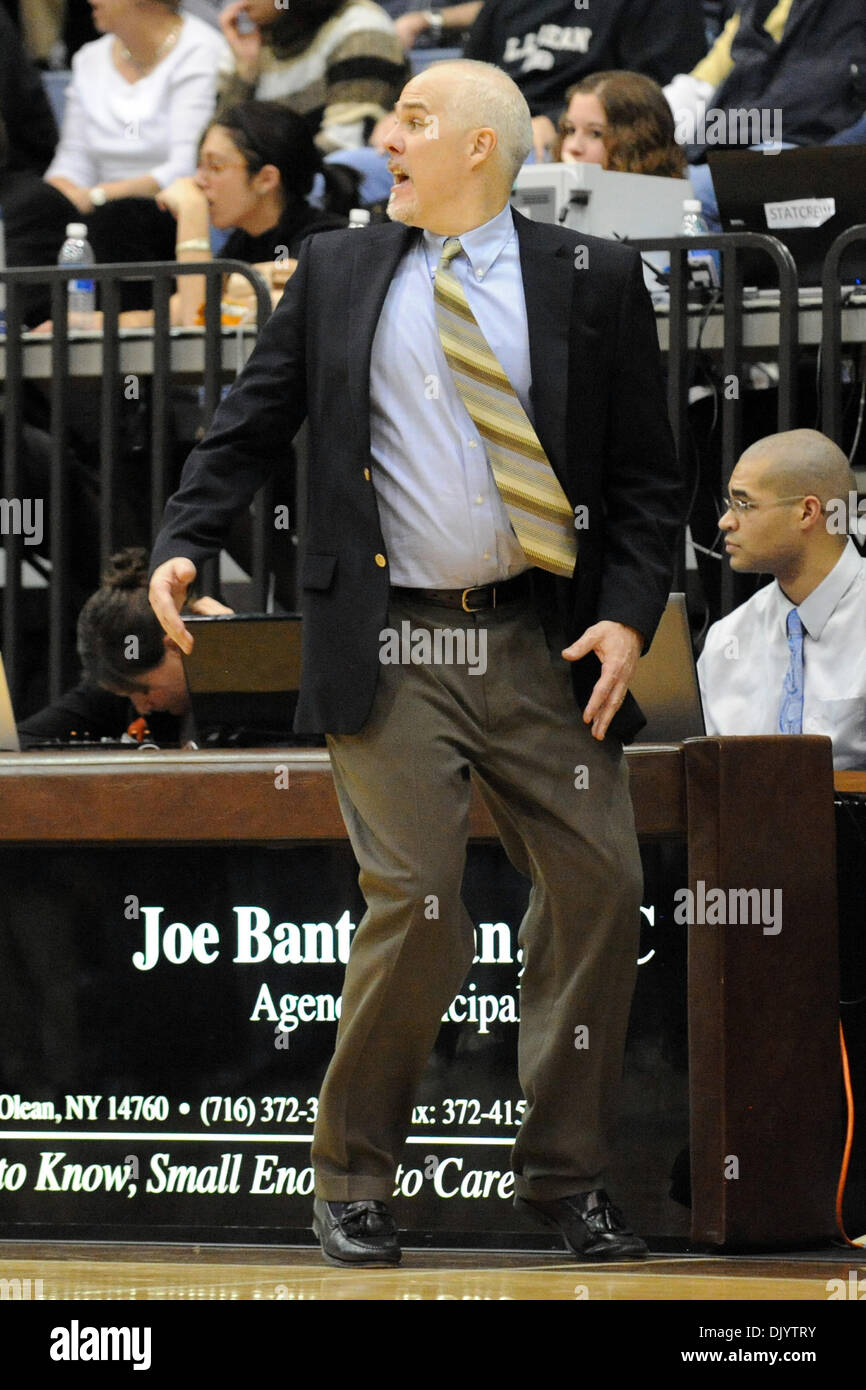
column 244, row 671
column 600, row 201
column 604, row 203
column 805, row 197
column 665, row 683
column 8, row 732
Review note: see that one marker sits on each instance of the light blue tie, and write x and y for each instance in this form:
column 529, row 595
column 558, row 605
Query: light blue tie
column 791, row 710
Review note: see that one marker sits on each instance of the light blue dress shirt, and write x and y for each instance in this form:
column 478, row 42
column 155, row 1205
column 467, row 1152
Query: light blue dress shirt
column 443, row 520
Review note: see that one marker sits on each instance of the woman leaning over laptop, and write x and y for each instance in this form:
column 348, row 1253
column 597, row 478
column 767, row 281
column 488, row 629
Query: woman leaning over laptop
column 132, row 681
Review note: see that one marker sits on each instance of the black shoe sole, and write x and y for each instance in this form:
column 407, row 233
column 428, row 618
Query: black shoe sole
column 582, row 1256
column 361, row 1264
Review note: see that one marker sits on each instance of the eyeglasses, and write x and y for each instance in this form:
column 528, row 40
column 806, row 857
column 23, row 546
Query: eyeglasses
column 219, row 166
column 739, row 505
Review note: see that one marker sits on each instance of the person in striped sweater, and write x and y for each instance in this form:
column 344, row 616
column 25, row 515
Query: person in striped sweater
column 338, row 63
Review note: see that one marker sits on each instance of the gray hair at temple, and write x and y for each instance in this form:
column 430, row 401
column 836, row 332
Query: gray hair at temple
column 803, row 462
column 489, row 98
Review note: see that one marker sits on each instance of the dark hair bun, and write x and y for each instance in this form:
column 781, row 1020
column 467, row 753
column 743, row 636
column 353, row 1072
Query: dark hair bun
column 127, row 569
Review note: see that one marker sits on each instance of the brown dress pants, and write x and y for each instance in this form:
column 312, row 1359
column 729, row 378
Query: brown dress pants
column 560, row 802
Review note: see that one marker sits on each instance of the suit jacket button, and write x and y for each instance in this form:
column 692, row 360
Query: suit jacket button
column 367, row 474
column 381, row 561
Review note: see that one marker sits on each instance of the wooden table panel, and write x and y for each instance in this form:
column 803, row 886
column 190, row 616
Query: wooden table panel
column 263, row 794
column 755, row 806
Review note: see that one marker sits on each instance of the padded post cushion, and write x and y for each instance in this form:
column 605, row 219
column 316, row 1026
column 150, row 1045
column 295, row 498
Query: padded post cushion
column 764, row 1065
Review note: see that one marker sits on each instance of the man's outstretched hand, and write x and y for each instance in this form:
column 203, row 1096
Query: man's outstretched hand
column 618, row 648
column 168, row 590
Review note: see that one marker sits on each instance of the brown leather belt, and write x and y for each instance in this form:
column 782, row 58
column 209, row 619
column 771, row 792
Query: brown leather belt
column 473, row 600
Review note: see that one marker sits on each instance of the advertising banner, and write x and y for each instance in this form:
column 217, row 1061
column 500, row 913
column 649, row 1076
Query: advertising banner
column 168, row 1014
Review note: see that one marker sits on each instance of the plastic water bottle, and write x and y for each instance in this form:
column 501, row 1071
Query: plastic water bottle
column 704, row 266
column 76, row 250
column 693, row 218
column 2, row 267
column 359, row 217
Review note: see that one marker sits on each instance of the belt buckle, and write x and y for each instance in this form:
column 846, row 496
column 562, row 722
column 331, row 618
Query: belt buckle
column 475, row 589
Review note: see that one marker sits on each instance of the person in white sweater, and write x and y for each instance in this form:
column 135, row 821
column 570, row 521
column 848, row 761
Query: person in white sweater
column 138, row 101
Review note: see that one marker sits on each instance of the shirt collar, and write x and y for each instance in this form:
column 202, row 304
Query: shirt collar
column 482, row 246
column 817, row 607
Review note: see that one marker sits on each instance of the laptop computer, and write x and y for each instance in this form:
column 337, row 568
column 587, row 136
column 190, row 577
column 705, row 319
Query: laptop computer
column 604, row 203
column 600, row 201
column 665, row 683
column 244, row 672
column 9, row 742
column 804, row 197
column 243, row 675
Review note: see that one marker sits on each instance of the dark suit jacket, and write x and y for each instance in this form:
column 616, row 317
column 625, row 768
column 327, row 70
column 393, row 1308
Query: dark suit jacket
column 599, row 408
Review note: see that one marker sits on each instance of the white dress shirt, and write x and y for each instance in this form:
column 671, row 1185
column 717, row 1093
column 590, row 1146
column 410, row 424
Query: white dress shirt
column 742, row 667
column 114, row 129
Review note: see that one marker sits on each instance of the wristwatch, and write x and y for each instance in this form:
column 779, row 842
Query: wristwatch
column 435, row 23
column 98, row 196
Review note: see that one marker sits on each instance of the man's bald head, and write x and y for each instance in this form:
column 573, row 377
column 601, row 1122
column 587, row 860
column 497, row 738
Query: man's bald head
column 789, row 494
column 802, row 463
column 481, row 95
column 461, row 131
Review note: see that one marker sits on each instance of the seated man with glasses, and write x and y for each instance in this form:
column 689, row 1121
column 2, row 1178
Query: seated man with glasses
column 793, row 658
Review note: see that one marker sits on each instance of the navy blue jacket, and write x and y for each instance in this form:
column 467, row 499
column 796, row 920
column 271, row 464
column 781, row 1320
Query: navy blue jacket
column 815, row 75
column 547, row 45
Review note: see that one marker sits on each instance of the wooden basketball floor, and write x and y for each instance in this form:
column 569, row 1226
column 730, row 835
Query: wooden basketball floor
column 150, row 1272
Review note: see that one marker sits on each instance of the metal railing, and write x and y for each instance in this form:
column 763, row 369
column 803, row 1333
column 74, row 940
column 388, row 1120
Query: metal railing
column 111, row 350
column 832, row 305
column 160, row 369
column 731, row 246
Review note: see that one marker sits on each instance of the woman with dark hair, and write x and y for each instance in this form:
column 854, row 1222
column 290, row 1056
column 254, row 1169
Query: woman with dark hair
column 256, row 167
column 129, row 667
column 622, row 121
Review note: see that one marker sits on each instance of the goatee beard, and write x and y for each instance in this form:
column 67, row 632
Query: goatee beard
column 399, row 214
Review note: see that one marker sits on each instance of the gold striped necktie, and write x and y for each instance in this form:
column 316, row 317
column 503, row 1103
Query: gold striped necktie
column 540, row 512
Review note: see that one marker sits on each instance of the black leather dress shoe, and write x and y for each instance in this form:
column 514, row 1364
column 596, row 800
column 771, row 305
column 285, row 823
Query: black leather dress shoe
column 592, row 1227
column 356, row 1233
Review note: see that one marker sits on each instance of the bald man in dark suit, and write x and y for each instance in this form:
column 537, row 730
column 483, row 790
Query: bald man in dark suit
column 412, row 520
